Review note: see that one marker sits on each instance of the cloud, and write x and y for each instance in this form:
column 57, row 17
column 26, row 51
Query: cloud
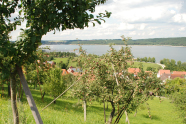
column 180, row 18
column 134, row 18
column 182, row 29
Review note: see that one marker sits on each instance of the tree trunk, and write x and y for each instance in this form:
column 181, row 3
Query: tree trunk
column 13, row 99
column 21, row 94
column 2, row 90
column 135, row 113
column 111, row 114
column 55, row 100
column 104, row 110
column 9, row 90
column 39, row 81
column 127, row 118
column 20, row 90
column 43, row 96
column 85, row 109
column 107, row 105
column 29, row 97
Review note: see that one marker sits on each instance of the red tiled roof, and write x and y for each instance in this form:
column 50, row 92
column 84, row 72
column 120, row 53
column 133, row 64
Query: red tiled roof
column 133, row 70
column 163, row 72
column 64, row 71
column 177, row 75
column 179, row 72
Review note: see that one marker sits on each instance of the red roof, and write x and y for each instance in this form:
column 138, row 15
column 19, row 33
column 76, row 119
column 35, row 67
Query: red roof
column 177, row 75
column 133, row 70
column 163, row 72
column 179, row 72
column 64, row 71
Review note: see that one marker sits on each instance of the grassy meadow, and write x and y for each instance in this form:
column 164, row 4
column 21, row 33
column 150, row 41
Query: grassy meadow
column 57, row 60
column 146, row 64
column 136, row 64
column 68, row 110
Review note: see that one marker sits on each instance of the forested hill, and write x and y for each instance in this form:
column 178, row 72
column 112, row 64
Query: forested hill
column 179, row 41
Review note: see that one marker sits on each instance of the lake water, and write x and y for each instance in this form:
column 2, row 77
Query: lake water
column 159, row 52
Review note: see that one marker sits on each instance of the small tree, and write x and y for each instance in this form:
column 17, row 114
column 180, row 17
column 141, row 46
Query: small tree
column 153, row 60
column 55, row 82
column 149, row 59
column 176, row 91
column 106, row 79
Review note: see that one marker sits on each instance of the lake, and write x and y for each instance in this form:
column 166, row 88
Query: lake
column 159, row 52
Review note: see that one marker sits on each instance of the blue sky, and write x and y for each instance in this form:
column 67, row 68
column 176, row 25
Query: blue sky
column 139, row 19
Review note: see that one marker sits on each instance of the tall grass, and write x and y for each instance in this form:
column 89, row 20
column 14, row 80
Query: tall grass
column 68, row 110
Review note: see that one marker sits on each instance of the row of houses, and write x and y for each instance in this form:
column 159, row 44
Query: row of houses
column 76, row 71
column 166, row 74
column 162, row 74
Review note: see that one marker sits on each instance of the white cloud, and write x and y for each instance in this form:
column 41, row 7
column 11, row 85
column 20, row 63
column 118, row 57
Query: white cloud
column 182, row 29
column 132, row 33
column 134, row 18
column 172, row 11
column 142, row 26
column 125, row 26
column 152, row 33
column 180, row 18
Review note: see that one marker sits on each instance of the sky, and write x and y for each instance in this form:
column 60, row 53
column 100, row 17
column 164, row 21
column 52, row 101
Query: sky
column 138, row 19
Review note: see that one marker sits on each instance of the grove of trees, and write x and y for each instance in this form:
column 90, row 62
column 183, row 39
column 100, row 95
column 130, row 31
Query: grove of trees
column 145, row 59
column 172, row 65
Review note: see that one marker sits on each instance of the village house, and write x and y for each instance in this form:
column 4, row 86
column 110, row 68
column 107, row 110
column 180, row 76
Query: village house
column 161, row 72
column 73, row 69
column 134, row 71
column 64, row 72
column 166, row 74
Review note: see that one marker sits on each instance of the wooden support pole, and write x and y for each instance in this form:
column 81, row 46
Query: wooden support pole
column 29, row 97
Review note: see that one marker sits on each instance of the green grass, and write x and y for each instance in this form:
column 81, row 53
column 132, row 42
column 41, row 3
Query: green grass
column 66, row 111
column 57, row 60
column 145, row 65
column 136, row 64
column 162, row 113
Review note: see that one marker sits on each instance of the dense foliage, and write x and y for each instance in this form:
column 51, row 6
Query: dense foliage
column 145, row 59
column 55, row 83
column 176, row 91
column 172, row 65
column 51, row 55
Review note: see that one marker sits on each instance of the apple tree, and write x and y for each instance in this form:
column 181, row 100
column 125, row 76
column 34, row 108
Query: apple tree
column 41, row 16
column 107, row 79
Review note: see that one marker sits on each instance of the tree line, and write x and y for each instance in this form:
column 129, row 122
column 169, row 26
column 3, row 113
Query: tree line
column 178, row 41
column 51, row 55
column 172, row 65
column 145, row 59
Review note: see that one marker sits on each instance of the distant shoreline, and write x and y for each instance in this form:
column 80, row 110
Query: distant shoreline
column 115, row 45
